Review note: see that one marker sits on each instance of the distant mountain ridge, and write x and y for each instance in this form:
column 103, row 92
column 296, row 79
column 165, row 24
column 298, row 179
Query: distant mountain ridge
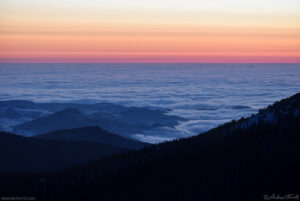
column 64, row 119
column 29, row 118
column 93, row 134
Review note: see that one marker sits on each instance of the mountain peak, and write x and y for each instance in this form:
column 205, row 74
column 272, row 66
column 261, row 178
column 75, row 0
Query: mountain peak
column 71, row 111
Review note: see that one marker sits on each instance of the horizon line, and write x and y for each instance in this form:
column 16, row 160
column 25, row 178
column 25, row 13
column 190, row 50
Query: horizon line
column 150, row 62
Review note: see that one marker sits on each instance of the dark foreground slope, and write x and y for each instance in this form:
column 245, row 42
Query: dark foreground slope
column 241, row 160
column 22, row 154
column 93, row 134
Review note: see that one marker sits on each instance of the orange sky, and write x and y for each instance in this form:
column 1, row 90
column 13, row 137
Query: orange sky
column 200, row 32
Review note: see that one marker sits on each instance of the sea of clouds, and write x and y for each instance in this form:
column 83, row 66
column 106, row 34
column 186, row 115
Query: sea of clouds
column 205, row 94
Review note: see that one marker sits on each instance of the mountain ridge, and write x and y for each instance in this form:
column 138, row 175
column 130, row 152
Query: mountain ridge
column 24, row 154
column 28, row 118
column 93, row 134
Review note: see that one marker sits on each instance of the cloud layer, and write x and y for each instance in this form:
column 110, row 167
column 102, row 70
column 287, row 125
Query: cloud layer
column 205, row 94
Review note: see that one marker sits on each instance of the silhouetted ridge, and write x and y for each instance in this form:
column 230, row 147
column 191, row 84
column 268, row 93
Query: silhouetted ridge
column 64, row 119
column 93, row 134
column 23, row 154
column 33, row 119
column 68, row 111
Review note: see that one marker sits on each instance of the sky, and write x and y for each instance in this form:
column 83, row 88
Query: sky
column 191, row 31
